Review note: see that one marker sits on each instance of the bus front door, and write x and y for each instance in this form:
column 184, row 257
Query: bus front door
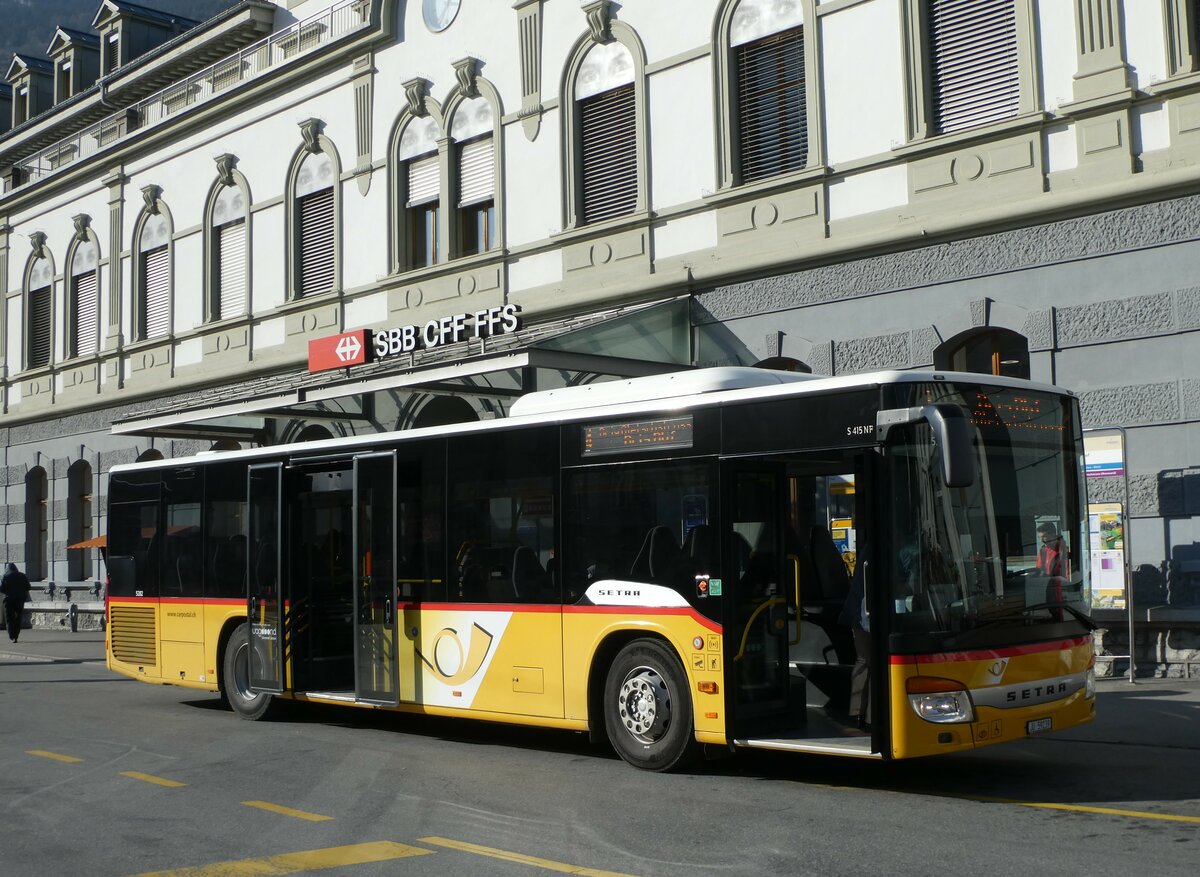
column 756, row 601
column 375, row 578
column 264, row 602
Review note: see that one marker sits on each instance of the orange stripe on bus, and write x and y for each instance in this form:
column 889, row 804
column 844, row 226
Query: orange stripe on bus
column 991, row 654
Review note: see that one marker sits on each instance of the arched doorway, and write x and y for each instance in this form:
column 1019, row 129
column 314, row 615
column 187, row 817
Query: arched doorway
column 988, row 351
column 79, row 520
column 444, row 410
column 36, row 498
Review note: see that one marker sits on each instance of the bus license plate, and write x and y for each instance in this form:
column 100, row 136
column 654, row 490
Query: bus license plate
column 1037, row 726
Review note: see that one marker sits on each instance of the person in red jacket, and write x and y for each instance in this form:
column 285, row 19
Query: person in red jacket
column 1052, row 558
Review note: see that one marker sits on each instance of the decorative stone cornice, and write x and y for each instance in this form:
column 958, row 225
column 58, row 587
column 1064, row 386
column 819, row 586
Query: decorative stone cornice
column 83, row 224
column 415, row 90
column 466, row 72
column 226, row 162
column 599, row 18
column 310, row 130
column 151, row 195
column 37, row 241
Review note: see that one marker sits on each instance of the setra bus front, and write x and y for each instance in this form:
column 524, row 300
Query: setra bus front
column 982, row 588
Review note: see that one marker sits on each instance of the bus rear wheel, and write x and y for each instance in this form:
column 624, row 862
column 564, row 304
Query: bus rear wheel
column 235, row 678
column 647, row 710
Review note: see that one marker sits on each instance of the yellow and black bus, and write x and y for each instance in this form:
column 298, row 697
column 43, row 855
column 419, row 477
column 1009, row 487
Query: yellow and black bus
column 649, row 561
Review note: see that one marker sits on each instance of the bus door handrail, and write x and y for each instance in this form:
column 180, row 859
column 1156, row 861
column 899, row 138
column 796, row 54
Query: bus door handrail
column 795, row 559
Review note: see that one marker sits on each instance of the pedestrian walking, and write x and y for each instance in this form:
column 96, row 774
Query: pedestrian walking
column 15, row 588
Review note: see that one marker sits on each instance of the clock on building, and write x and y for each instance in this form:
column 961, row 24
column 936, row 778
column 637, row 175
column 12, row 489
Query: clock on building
column 439, row 13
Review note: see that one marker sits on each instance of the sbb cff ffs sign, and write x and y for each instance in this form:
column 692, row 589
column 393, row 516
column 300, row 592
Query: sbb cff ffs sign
column 364, row 345
column 339, row 351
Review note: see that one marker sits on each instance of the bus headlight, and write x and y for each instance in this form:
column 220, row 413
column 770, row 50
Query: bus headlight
column 939, row 700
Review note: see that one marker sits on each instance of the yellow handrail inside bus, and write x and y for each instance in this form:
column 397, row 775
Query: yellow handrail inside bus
column 746, row 631
column 796, row 571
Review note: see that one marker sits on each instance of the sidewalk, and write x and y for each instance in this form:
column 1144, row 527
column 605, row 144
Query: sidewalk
column 54, row 645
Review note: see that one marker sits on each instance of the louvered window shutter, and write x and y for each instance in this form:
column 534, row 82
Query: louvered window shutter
column 85, row 293
column 231, row 265
column 976, row 79
column 476, row 172
column 608, row 123
column 423, row 184
column 772, row 116
column 156, row 292
column 113, row 59
column 316, row 243
column 39, row 326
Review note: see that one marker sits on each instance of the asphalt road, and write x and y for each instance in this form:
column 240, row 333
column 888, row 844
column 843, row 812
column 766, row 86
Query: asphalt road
column 106, row 776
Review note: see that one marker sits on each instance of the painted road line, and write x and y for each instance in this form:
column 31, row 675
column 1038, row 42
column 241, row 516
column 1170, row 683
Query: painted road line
column 150, row 778
column 298, row 863
column 42, row 753
column 288, row 811
column 519, row 858
column 1083, row 808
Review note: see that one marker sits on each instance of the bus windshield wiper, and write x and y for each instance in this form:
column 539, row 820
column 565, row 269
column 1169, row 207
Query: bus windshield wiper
column 1087, row 621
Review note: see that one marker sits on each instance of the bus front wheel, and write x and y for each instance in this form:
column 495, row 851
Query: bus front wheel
column 235, row 678
column 647, row 710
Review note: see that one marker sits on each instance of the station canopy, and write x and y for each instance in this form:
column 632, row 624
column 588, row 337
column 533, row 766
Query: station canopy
column 387, row 393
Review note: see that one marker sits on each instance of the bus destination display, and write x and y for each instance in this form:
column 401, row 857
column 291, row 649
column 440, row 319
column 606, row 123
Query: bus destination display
column 617, row 438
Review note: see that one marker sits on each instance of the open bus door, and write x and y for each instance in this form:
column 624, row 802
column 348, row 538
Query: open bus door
column 264, row 607
column 790, row 655
column 375, row 578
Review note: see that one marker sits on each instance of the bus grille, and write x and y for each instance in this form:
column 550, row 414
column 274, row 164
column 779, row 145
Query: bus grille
column 133, row 634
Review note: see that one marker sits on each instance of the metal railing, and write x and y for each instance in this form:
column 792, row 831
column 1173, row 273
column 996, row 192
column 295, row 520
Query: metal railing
column 293, row 41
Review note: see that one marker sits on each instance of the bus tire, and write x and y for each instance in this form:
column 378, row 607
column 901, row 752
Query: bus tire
column 647, row 707
column 235, row 678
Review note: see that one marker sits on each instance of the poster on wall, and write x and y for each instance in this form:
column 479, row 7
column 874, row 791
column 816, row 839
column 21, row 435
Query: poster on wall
column 1104, row 458
column 1106, row 528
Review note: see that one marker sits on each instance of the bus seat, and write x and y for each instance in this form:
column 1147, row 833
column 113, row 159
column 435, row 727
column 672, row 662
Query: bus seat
column 528, row 577
column 697, row 547
column 659, row 556
column 829, row 566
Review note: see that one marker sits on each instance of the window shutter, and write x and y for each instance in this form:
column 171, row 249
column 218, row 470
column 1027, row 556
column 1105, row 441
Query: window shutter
column 231, row 267
column 85, row 294
column 316, row 243
column 423, row 184
column 476, row 172
column 772, row 113
column 976, row 80
column 156, row 293
column 113, row 50
column 39, row 326
column 608, row 123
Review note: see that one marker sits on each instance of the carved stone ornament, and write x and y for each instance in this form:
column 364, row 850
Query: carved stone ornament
column 37, row 240
column 226, row 162
column 310, row 130
column 82, row 223
column 599, row 17
column 151, row 194
column 415, row 90
column 465, row 72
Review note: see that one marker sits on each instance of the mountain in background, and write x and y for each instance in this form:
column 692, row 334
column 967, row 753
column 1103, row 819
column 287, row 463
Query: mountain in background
column 27, row 26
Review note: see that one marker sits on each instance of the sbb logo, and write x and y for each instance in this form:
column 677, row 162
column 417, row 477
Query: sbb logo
column 338, row 351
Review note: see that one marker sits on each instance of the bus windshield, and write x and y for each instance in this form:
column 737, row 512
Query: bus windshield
column 1005, row 559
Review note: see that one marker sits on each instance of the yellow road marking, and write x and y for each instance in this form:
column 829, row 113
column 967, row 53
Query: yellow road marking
column 1083, row 808
column 288, row 811
column 149, row 778
column 42, row 753
column 296, row 863
column 519, row 858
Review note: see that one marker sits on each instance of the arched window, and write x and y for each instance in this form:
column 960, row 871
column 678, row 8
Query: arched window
column 315, row 218
column 229, row 249
column 149, row 454
column 605, row 96
column 419, row 182
column 79, row 519
column 985, row 351
column 39, row 312
column 471, row 129
column 769, row 105
column 36, row 497
column 84, row 302
column 153, row 276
